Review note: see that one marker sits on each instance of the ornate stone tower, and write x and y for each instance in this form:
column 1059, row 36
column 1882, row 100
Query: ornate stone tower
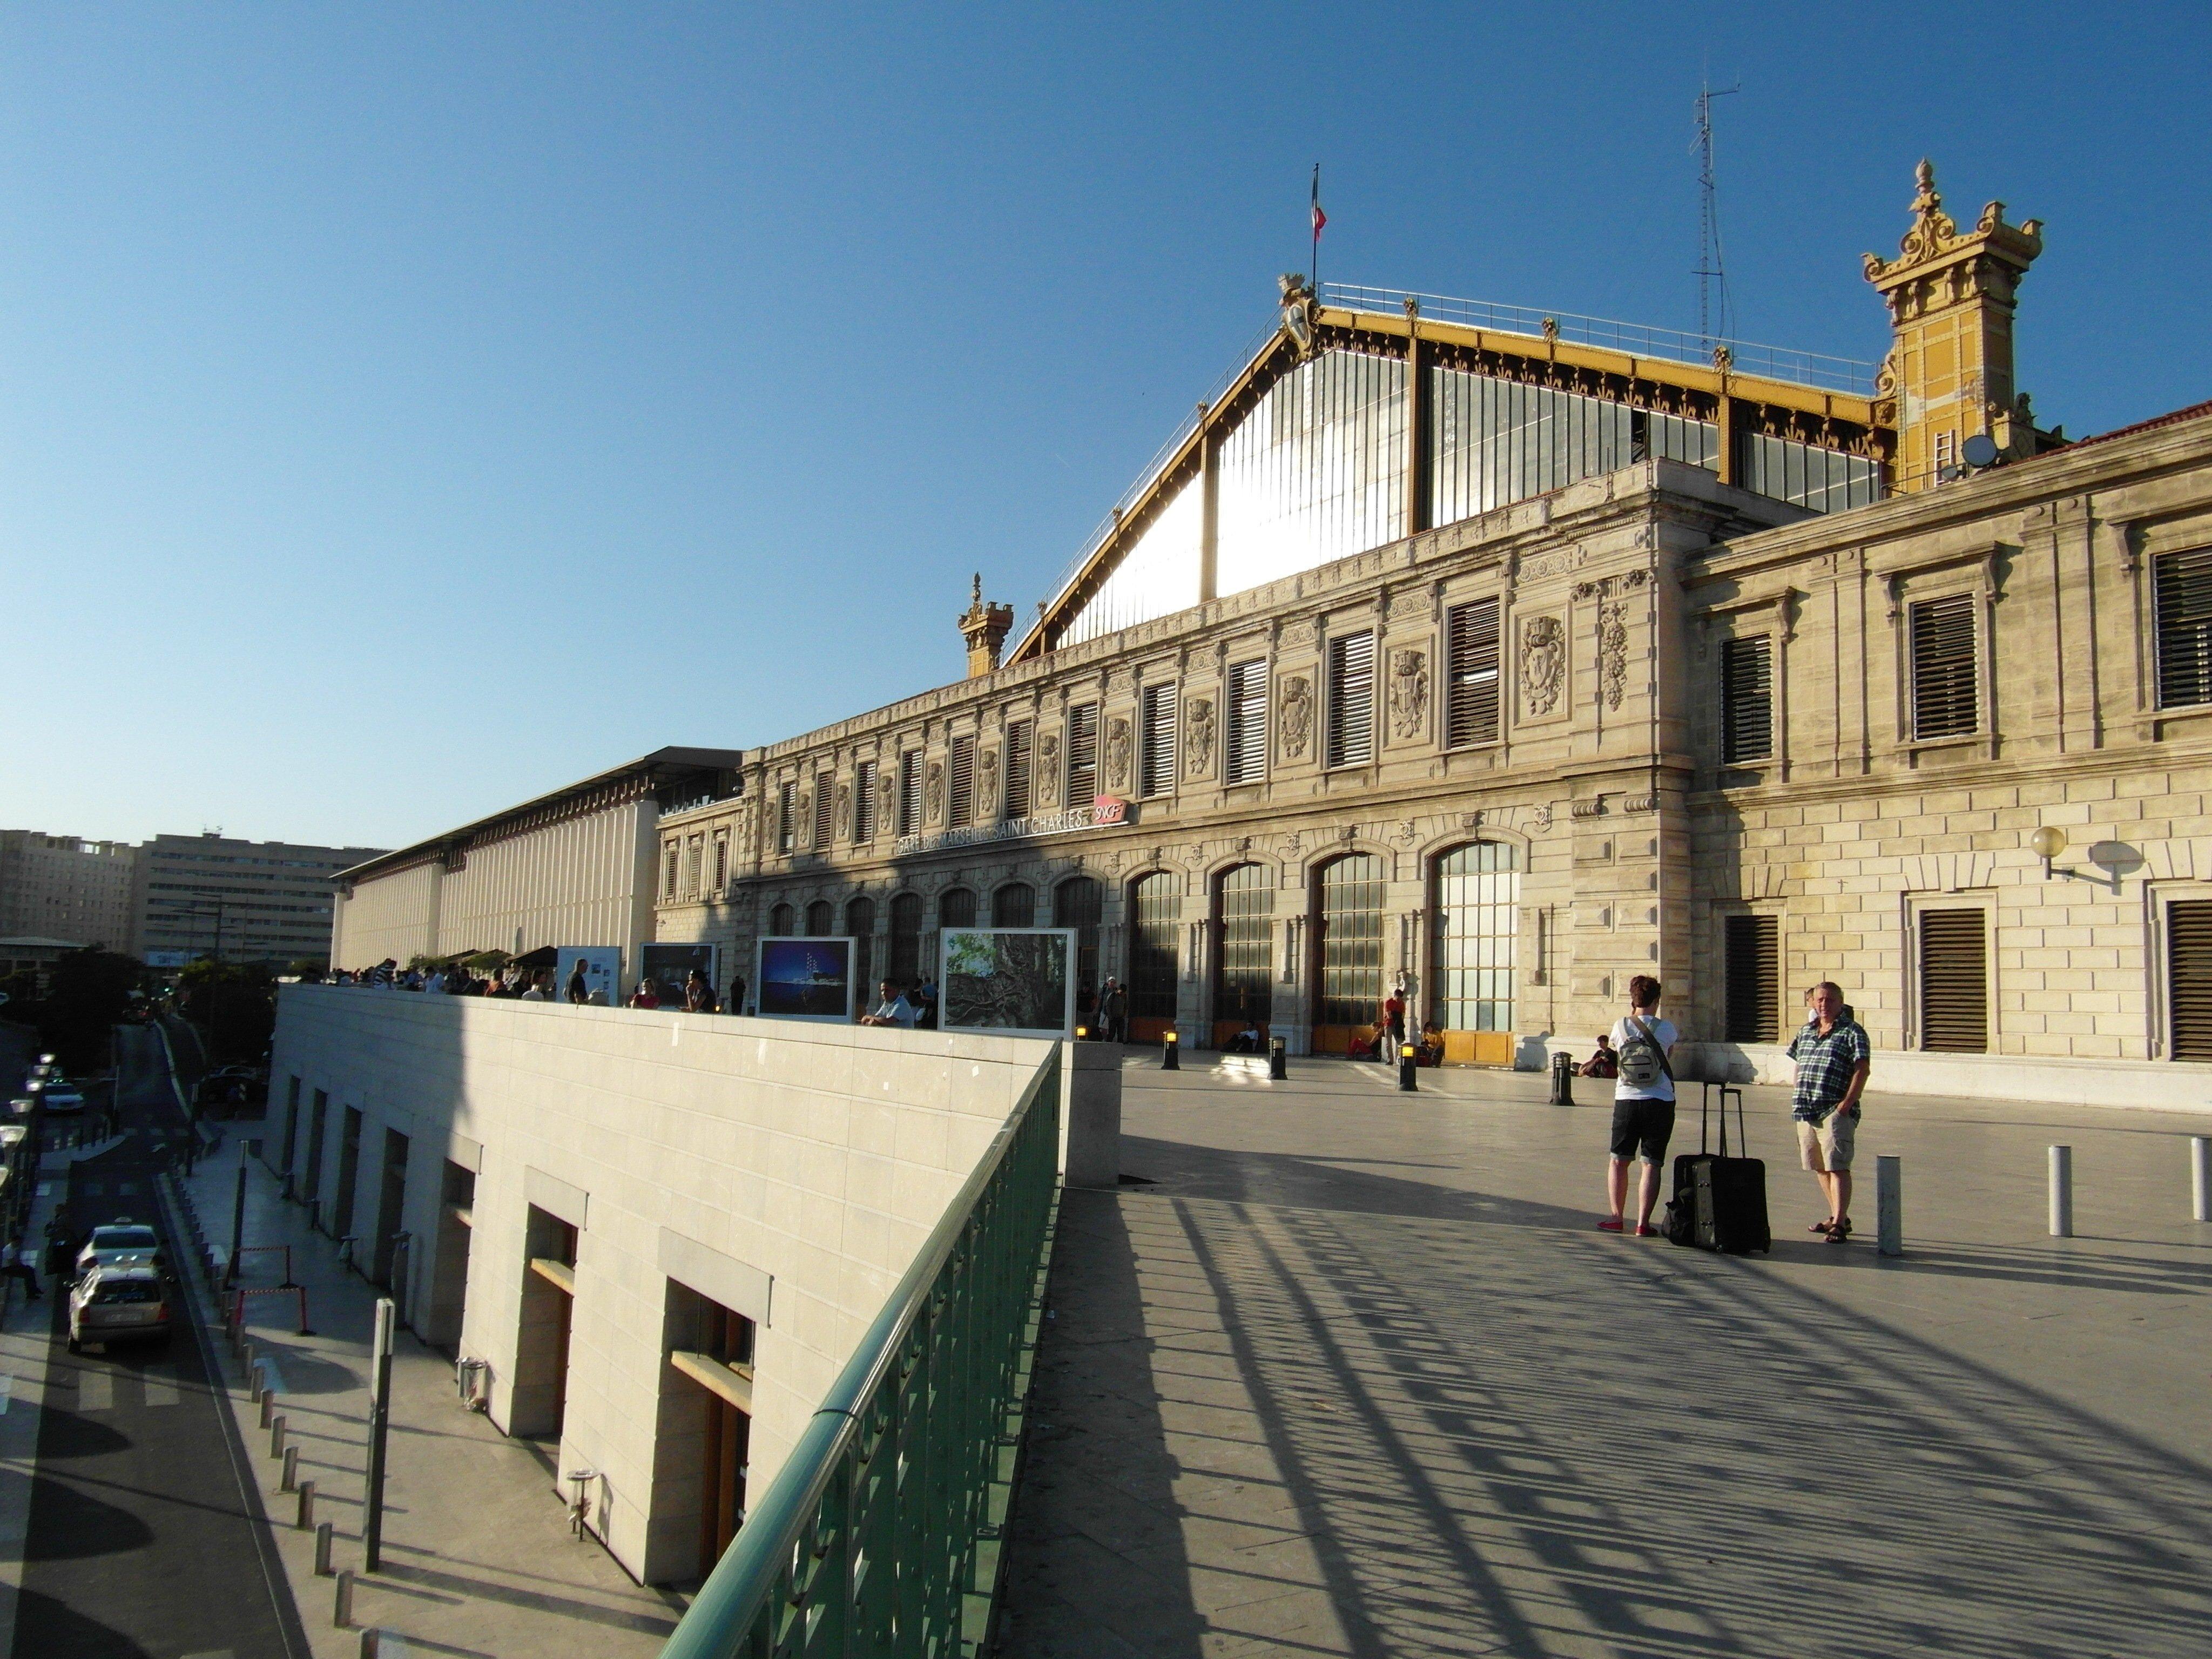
column 1949, row 373
column 985, row 628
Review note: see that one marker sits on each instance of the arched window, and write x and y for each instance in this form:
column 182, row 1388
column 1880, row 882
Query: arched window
column 1156, row 917
column 956, row 907
column 860, row 923
column 905, row 964
column 1014, row 905
column 821, row 919
column 1348, row 944
column 1476, row 926
column 1244, row 931
column 783, row 922
column 1078, row 902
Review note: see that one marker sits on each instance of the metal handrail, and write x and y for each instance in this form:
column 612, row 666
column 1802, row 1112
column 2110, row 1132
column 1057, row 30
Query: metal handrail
column 802, row 1518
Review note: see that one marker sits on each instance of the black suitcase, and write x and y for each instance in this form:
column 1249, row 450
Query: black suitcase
column 1720, row 1202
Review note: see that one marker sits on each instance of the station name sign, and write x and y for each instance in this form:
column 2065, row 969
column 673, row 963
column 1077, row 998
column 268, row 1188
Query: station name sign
column 1104, row 809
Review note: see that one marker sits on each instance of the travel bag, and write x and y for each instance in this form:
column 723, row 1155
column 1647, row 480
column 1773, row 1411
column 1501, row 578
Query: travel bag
column 1720, row 1202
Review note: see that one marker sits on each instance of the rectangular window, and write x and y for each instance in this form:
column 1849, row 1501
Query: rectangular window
column 1471, row 677
column 1352, row 700
column 1746, row 700
column 1247, row 722
column 1754, row 973
column 722, row 860
column 694, row 852
column 825, row 799
column 1082, row 754
column 864, row 802
column 1156, row 769
column 2188, row 976
column 2182, row 585
column 910, row 793
column 785, row 829
column 961, row 808
column 668, row 865
column 1944, row 703
column 1954, row 986
column 1018, row 769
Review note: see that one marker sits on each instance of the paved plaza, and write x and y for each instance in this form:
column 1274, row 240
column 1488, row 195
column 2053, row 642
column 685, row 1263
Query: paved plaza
column 1344, row 1370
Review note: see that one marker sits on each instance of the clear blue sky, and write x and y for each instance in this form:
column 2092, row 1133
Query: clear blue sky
column 408, row 410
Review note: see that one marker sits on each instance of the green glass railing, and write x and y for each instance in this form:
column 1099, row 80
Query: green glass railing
column 882, row 1534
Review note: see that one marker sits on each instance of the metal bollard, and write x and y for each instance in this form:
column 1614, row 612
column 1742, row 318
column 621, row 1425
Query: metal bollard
column 2200, row 1176
column 291, row 1480
column 1562, row 1080
column 1407, row 1062
column 1278, row 1067
column 1889, row 1205
column 2062, row 1192
column 372, row 1644
column 342, row 1603
column 1170, row 1060
column 323, row 1550
column 276, row 1436
column 303, row 1519
column 268, row 1405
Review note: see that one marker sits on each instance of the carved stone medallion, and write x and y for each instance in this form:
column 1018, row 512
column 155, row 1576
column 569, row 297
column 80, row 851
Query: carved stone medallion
column 1200, row 738
column 1543, row 663
column 1409, row 693
column 1297, row 715
column 1118, row 749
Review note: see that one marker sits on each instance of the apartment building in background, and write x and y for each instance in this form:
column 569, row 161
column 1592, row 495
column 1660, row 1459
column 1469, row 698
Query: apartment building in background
column 66, row 888
column 241, row 901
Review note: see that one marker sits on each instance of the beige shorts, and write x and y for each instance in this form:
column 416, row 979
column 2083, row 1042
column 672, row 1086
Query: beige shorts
column 1827, row 1144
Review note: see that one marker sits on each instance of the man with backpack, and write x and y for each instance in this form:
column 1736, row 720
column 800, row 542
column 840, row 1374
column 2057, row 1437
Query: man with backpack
column 1642, row 1105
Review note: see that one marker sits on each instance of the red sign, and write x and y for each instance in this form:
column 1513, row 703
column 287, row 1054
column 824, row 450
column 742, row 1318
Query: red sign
column 1108, row 809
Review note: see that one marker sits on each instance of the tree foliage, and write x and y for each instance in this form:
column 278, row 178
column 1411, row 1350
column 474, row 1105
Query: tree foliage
column 234, row 1003
column 86, row 992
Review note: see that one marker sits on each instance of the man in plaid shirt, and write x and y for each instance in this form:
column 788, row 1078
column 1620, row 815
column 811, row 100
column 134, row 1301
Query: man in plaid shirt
column 1833, row 1056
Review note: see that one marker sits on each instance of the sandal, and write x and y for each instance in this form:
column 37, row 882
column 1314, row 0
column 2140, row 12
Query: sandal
column 1820, row 1226
column 1610, row 1225
column 1840, row 1231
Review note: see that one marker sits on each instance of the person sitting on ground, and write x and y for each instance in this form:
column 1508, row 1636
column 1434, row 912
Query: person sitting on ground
column 1246, row 1041
column 647, row 996
column 1605, row 1062
column 891, row 1008
column 1370, row 1045
column 1642, row 1105
column 1429, row 1051
column 698, row 995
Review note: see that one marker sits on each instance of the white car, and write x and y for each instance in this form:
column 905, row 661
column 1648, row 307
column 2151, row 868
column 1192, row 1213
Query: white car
column 121, row 1241
column 124, row 1301
column 61, row 1097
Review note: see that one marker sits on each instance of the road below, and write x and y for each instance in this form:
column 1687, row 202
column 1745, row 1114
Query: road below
column 140, row 1540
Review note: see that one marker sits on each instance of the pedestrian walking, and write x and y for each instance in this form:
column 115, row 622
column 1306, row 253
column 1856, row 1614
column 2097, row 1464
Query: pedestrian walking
column 1642, row 1106
column 1834, row 1057
column 58, row 1247
column 580, row 987
column 1394, row 1017
column 12, row 1266
column 1114, row 1009
column 737, row 1003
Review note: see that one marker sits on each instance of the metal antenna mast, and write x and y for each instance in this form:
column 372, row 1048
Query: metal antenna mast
column 1710, row 269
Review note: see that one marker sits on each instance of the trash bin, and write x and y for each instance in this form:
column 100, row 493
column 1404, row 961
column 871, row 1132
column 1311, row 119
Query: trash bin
column 1562, row 1080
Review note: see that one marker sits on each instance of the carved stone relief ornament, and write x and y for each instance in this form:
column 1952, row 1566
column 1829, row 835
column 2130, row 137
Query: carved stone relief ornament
column 802, row 817
column 1118, row 746
column 932, row 793
column 1611, row 649
column 1049, row 768
column 887, row 799
column 986, row 784
column 1198, row 739
column 1543, row 663
column 1409, row 693
column 845, row 811
column 1297, row 714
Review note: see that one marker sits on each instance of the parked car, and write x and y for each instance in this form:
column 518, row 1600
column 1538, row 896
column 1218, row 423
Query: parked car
column 61, row 1097
column 121, row 1240
column 124, row 1301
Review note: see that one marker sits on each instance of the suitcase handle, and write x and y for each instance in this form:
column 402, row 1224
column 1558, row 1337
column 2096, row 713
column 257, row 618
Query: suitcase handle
column 1742, row 1135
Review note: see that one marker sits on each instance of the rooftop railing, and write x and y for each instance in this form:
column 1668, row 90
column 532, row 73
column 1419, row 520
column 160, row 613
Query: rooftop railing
column 882, row 1534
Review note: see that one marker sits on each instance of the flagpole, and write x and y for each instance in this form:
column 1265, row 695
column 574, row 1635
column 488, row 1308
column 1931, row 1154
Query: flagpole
column 1313, row 217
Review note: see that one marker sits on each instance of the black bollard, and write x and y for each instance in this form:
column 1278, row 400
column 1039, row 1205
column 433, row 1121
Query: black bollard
column 1407, row 1063
column 1562, row 1080
column 1170, row 1060
column 1278, row 1059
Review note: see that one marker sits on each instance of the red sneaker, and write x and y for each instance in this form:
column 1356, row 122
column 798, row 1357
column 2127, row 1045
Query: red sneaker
column 1645, row 1230
column 1610, row 1225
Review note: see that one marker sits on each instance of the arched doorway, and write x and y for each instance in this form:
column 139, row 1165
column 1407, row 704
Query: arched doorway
column 1475, row 923
column 1080, row 903
column 821, row 919
column 860, row 923
column 1014, row 905
column 783, row 922
column 905, row 964
column 1244, row 937
column 1347, row 950
column 1155, row 920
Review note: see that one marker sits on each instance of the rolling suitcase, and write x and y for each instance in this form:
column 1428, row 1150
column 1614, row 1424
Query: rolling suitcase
column 1720, row 1202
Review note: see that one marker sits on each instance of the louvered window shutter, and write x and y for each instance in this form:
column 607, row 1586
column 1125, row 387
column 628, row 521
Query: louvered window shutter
column 1747, row 700
column 1247, row 722
column 721, row 861
column 1954, row 988
column 961, row 808
column 825, row 801
column 1158, row 767
column 910, row 799
column 1018, row 769
column 2184, row 583
column 864, row 802
column 1082, row 754
column 1944, row 701
column 784, row 826
column 1471, row 642
column 1754, row 945
column 2188, row 976
column 1352, row 700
